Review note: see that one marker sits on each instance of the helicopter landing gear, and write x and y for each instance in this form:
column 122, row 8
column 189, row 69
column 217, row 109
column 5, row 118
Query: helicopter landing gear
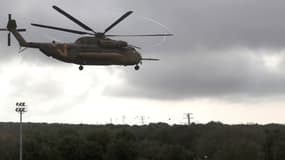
column 80, row 67
column 137, row 67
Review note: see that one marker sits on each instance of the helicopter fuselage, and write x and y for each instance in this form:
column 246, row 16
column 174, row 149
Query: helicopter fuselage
column 90, row 54
column 90, row 51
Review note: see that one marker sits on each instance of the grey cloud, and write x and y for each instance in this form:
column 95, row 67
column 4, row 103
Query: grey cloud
column 47, row 92
column 216, row 28
column 219, row 23
column 42, row 89
column 196, row 62
column 223, row 75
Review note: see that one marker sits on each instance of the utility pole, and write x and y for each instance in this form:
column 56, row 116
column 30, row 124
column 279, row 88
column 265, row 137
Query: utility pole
column 21, row 108
column 124, row 119
column 142, row 120
column 189, row 117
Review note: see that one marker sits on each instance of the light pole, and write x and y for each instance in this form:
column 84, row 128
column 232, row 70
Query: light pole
column 21, row 108
column 189, row 117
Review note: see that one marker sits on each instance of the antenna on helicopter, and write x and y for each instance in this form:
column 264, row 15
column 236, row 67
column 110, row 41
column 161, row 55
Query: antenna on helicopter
column 9, row 32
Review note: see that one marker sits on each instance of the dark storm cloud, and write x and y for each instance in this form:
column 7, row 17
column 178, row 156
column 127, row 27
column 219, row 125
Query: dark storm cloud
column 208, row 56
column 220, row 75
column 218, row 23
column 205, row 57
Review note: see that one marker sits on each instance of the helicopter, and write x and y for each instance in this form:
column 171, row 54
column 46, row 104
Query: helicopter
column 93, row 48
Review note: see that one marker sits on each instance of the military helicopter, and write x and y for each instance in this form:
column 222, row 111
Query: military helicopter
column 94, row 49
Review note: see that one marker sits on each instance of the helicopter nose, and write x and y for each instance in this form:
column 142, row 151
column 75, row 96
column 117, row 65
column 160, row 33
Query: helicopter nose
column 139, row 57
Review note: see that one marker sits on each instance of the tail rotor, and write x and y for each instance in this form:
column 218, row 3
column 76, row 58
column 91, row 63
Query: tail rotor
column 9, row 31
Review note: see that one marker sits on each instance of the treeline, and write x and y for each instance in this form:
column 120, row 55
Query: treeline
column 212, row 141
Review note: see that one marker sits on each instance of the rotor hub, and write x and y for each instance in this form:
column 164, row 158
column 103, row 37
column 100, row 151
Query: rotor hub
column 100, row 35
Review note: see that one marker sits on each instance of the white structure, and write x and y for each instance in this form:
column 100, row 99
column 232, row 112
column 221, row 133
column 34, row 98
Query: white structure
column 21, row 108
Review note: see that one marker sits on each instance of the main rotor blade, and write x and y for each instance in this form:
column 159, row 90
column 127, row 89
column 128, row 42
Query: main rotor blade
column 21, row 30
column 62, row 29
column 73, row 19
column 143, row 35
column 118, row 21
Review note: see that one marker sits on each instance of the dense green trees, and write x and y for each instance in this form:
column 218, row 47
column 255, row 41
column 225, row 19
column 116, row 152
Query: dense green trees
column 213, row 141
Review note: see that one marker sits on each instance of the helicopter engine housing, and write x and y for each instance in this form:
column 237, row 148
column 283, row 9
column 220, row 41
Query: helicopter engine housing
column 112, row 43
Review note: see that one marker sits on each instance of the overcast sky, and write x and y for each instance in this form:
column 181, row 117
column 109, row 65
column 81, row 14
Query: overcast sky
column 224, row 63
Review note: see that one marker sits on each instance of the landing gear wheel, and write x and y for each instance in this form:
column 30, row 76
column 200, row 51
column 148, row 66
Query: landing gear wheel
column 137, row 67
column 80, row 67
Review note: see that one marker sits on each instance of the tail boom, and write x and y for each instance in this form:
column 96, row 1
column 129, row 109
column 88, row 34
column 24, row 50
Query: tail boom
column 12, row 28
